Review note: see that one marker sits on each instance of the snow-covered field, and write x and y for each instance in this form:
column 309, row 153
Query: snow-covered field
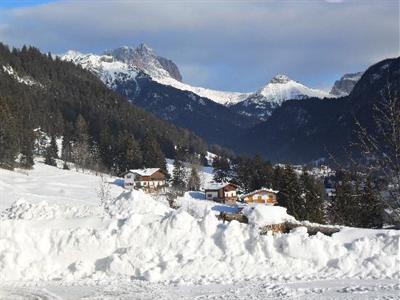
column 57, row 242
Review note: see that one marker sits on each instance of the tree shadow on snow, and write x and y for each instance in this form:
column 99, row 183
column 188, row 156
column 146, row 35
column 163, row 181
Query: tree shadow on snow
column 225, row 208
column 118, row 182
column 197, row 195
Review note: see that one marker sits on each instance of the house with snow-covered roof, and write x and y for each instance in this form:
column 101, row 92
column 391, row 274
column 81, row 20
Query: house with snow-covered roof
column 224, row 192
column 263, row 196
column 149, row 179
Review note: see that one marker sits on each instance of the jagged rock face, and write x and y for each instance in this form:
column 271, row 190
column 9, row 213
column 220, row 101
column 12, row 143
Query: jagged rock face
column 170, row 67
column 145, row 59
column 345, row 85
column 280, row 78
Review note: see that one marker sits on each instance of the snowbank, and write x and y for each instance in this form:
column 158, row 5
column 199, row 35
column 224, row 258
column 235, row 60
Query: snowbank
column 22, row 209
column 59, row 233
column 157, row 243
column 261, row 215
column 198, row 206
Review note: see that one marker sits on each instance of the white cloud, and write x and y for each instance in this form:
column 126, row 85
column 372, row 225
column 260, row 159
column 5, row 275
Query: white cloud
column 235, row 44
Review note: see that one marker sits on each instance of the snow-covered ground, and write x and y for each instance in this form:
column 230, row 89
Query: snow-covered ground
column 57, row 242
column 205, row 173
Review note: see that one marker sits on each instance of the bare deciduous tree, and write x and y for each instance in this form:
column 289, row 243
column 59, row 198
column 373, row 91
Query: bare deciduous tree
column 380, row 146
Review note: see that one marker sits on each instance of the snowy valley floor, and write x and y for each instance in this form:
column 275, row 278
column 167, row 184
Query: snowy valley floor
column 56, row 242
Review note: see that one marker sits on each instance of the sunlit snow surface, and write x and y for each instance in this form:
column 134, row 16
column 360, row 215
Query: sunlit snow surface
column 56, row 242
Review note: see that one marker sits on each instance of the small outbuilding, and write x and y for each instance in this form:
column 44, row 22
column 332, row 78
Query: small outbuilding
column 149, row 179
column 224, row 192
column 263, row 196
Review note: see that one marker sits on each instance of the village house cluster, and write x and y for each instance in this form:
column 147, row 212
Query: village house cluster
column 155, row 180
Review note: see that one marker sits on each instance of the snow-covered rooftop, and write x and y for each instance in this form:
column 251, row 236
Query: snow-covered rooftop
column 261, row 190
column 216, row 185
column 144, row 172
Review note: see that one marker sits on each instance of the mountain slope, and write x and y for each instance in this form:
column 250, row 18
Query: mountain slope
column 281, row 88
column 141, row 85
column 345, row 84
column 210, row 120
column 165, row 71
column 63, row 94
column 310, row 129
column 159, row 68
column 124, row 63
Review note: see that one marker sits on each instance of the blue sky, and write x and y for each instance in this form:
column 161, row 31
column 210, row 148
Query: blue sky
column 228, row 45
column 7, row 4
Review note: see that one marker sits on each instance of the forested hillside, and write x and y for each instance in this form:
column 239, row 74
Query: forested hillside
column 310, row 129
column 62, row 99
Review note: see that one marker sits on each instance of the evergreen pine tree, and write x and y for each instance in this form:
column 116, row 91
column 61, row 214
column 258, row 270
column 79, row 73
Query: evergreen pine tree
column 290, row 194
column 53, row 147
column 8, row 137
column 133, row 154
column 66, row 153
column 49, row 158
column 179, row 176
column 371, row 206
column 152, row 154
column 194, row 179
column 222, row 169
column 81, row 129
column 277, row 182
column 65, row 166
column 313, row 196
column 26, row 160
column 344, row 206
column 80, row 151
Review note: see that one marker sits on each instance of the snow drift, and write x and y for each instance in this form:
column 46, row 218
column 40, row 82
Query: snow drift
column 261, row 215
column 145, row 239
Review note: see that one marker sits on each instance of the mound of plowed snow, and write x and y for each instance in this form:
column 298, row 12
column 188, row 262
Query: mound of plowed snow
column 140, row 237
column 261, row 215
column 156, row 243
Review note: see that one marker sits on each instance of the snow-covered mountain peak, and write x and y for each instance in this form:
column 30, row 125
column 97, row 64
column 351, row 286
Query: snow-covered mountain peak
column 281, row 88
column 133, row 55
column 144, row 58
column 129, row 60
column 106, row 67
column 278, row 90
column 145, row 49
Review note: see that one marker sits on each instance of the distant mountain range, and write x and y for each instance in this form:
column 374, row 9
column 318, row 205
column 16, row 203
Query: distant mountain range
column 155, row 83
column 124, row 64
column 138, row 74
column 303, row 129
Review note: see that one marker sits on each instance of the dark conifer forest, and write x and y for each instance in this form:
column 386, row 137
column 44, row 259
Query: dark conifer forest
column 38, row 90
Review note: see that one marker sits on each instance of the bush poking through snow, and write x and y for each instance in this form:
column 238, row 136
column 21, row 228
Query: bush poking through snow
column 104, row 193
